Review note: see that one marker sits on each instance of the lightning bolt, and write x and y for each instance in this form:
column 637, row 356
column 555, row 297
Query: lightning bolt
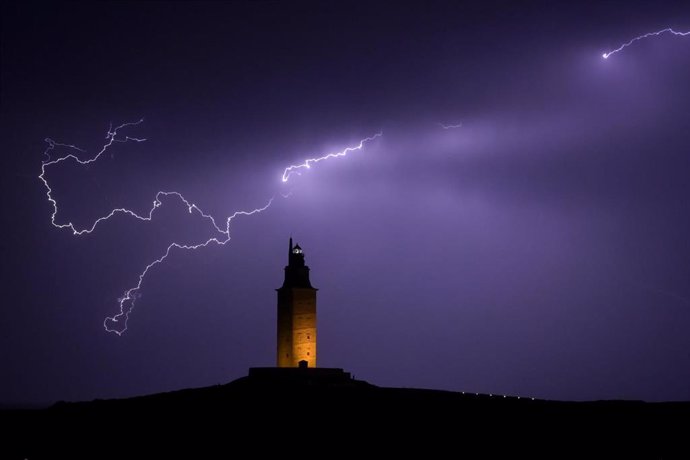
column 111, row 137
column 118, row 323
column 642, row 37
column 444, row 126
column 294, row 169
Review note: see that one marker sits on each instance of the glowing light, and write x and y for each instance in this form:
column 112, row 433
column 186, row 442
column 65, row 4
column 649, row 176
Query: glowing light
column 641, row 37
column 294, row 169
column 459, row 125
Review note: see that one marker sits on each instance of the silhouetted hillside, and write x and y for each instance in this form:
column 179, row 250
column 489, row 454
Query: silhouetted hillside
column 299, row 412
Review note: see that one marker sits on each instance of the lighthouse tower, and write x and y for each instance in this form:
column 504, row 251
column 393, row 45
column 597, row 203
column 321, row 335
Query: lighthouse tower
column 296, row 313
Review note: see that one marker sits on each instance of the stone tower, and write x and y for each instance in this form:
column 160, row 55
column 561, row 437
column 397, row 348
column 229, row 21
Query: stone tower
column 296, row 313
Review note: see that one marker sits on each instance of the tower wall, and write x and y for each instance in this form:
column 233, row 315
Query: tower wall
column 296, row 326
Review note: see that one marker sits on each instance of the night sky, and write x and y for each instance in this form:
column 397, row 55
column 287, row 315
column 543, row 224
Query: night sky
column 542, row 249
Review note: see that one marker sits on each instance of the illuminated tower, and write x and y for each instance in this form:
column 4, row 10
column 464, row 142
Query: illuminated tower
column 296, row 313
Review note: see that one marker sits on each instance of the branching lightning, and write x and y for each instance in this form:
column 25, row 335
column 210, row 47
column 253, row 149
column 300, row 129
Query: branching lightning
column 118, row 322
column 294, row 169
column 444, row 126
column 111, row 137
column 641, row 37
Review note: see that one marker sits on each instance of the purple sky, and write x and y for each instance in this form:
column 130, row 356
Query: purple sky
column 542, row 249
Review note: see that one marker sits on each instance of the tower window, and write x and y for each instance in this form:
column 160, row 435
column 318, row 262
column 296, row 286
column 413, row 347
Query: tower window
column 307, row 353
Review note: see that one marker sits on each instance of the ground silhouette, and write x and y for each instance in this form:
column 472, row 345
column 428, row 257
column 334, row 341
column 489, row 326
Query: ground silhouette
column 300, row 410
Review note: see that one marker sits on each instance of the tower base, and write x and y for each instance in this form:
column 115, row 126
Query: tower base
column 300, row 375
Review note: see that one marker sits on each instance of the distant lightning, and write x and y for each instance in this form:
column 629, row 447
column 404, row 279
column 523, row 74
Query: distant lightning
column 118, row 322
column 294, row 169
column 641, row 37
column 444, row 126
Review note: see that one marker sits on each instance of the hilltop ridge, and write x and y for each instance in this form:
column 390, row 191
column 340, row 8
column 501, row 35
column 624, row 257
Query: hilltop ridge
column 299, row 406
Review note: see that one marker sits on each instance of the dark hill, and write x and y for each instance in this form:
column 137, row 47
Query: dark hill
column 301, row 411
